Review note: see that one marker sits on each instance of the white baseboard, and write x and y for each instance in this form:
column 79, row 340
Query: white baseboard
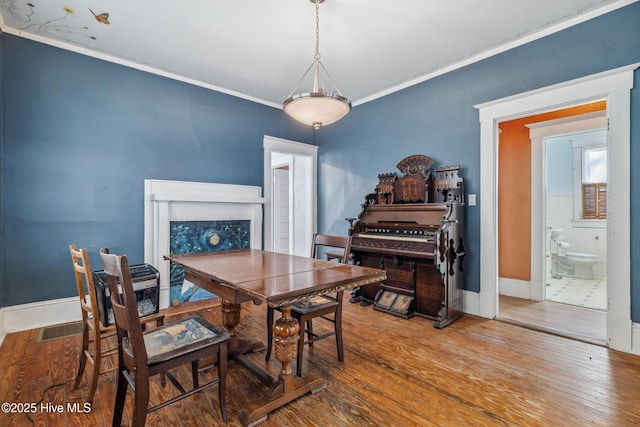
column 513, row 287
column 2, row 329
column 635, row 338
column 471, row 302
column 38, row 314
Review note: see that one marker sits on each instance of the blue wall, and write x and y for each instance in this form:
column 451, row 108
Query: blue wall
column 80, row 135
column 79, row 128
column 437, row 118
column 559, row 165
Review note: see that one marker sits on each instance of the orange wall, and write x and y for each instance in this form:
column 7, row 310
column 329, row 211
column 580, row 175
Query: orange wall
column 514, row 190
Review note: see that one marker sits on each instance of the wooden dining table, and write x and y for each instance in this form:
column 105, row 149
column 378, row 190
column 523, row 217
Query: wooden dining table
column 279, row 280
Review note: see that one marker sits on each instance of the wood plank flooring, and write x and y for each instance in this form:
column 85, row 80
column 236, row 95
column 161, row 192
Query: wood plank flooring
column 397, row 372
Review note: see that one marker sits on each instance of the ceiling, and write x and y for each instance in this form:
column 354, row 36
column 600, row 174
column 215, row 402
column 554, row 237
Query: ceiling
column 259, row 49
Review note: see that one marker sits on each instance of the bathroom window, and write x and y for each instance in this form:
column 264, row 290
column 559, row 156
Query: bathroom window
column 594, row 186
column 594, row 201
column 589, row 178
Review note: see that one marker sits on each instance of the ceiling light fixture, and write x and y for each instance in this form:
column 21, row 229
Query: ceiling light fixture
column 319, row 107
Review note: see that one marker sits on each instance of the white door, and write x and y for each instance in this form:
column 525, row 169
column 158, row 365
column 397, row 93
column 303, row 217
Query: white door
column 281, row 209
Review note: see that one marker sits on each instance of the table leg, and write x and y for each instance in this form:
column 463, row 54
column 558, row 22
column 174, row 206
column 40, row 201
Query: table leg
column 288, row 387
column 230, row 316
column 286, row 333
column 231, row 319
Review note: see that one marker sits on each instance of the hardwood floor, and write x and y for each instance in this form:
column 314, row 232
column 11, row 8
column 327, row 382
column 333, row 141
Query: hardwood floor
column 566, row 320
column 396, row 372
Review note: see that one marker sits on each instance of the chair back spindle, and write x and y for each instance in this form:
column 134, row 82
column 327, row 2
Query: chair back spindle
column 94, row 333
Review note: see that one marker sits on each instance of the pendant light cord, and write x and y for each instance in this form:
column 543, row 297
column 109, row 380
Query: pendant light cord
column 316, row 59
column 317, row 55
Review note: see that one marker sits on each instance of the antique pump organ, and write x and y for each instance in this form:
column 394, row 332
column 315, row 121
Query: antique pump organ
column 412, row 228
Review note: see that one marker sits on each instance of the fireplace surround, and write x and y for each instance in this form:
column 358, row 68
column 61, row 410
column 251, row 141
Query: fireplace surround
column 182, row 201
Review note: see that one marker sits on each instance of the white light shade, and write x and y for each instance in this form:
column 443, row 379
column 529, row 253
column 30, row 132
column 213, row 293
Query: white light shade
column 316, row 108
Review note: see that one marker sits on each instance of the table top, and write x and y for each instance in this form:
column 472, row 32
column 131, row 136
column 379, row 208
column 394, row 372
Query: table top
column 273, row 277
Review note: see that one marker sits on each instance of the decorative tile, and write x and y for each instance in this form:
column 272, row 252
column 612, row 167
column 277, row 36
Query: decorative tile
column 202, row 236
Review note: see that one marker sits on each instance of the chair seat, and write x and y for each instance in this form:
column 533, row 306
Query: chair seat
column 177, row 338
column 313, row 303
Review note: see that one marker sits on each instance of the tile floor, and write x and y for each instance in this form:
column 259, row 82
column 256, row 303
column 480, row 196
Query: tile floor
column 579, row 292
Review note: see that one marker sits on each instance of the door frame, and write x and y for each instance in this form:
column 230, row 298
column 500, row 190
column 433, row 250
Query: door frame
column 614, row 86
column 272, row 144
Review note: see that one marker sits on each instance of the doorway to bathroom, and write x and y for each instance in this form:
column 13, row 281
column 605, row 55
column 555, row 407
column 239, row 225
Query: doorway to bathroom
column 612, row 86
column 573, row 171
column 566, row 293
column 546, row 266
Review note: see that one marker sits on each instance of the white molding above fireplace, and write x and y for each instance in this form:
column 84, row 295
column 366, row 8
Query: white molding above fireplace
column 166, row 201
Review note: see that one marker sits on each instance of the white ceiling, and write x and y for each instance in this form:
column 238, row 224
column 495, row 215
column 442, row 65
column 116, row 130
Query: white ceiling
column 259, row 49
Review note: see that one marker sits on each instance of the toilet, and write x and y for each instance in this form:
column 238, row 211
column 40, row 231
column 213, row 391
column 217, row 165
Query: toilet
column 576, row 264
column 581, row 264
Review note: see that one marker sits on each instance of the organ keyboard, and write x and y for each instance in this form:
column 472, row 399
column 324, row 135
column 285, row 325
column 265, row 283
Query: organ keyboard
column 412, row 228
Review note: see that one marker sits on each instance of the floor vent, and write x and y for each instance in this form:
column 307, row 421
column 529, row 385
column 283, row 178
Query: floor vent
column 60, row 331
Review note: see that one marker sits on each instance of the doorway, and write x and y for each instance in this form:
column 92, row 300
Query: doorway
column 614, row 86
column 545, row 278
column 574, row 220
column 290, row 188
column 280, row 167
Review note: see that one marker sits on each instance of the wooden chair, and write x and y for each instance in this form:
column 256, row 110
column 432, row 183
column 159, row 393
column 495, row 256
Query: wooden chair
column 140, row 356
column 326, row 307
column 93, row 331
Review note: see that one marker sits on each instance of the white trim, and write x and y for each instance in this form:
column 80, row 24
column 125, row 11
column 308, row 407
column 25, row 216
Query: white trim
column 471, row 302
column 569, row 93
column 635, row 338
column 166, row 201
column 614, row 86
column 589, row 223
column 578, row 124
column 272, row 144
column 618, row 219
column 514, row 288
column 537, row 279
column 205, row 198
column 42, row 313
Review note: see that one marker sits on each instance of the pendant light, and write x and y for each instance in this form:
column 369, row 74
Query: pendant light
column 319, row 107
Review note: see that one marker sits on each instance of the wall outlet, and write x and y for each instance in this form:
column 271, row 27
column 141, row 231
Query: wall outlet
column 471, row 199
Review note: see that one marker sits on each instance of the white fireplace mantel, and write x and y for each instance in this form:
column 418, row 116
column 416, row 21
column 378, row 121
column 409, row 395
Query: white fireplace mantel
column 166, row 201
